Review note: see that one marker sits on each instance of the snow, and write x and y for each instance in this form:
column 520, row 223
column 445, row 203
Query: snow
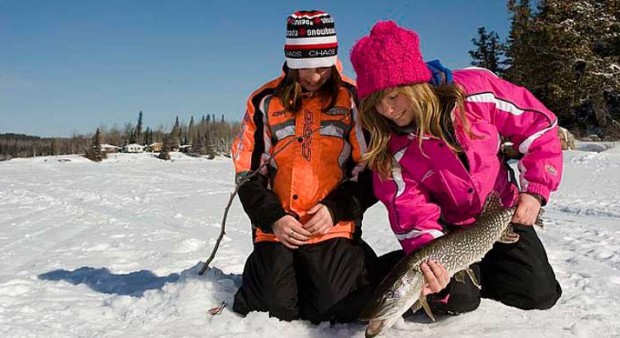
column 113, row 249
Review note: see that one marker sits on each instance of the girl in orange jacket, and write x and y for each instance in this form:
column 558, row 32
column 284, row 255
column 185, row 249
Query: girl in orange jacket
column 301, row 133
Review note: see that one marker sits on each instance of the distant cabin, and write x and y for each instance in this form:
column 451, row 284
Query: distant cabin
column 133, row 148
column 108, row 148
column 155, row 147
column 185, row 148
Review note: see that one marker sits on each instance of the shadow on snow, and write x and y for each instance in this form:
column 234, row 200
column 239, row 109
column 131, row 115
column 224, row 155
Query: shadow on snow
column 134, row 283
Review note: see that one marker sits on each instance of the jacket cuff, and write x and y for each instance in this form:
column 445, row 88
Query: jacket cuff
column 333, row 209
column 540, row 190
column 266, row 222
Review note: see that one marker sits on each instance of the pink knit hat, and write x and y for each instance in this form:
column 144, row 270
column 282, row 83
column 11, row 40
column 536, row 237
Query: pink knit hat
column 390, row 56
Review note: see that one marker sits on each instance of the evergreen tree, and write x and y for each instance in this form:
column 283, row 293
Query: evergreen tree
column 147, row 136
column 604, row 32
column 167, row 146
column 190, row 131
column 203, row 145
column 138, row 130
column 176, row 133
column 94, row 153
column 519, row 52
column 198, row 145
column 55, row 147
column 488, row 52
column 560, row 49
column 574, row 43
column 208, row 148
column 130, row 134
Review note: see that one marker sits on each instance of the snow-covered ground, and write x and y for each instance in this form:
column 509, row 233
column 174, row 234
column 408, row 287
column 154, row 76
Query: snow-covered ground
column 113, row 249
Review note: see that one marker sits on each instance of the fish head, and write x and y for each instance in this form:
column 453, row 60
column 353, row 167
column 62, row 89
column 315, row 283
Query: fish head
column 392, row 299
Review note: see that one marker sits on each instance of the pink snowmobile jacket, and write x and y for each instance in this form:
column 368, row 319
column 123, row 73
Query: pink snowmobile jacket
column 432, row 185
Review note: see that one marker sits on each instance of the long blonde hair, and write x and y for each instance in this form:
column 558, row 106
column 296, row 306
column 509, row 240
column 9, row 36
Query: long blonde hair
column 431, row 106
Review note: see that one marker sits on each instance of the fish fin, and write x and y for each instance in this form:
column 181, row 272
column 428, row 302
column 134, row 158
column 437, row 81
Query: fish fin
column 472, row 277
column 416, row 306
column 539, row 220
column 459, row 276
column 426, row 307
column 509, row 236
column 492, row 204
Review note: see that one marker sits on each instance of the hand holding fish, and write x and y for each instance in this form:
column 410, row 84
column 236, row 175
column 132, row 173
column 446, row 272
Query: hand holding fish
column 405, row 286
column 528, row 207
column 435, row 275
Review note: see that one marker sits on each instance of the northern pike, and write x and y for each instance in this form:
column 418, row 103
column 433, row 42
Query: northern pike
column 402, row 288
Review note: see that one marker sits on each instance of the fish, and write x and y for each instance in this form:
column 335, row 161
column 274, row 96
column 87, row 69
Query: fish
column 402, row 288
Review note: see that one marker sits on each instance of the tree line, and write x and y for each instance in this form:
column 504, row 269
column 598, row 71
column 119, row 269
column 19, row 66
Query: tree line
column 19, row 145
column 207, row 136
column 567, row 53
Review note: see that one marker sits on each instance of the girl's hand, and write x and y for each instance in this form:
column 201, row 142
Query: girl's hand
column 321, row 220
column 290, row 232
column 436, row 276
column 527, row 211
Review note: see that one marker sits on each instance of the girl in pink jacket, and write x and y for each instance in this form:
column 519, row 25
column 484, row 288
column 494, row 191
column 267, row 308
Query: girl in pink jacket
column 435, row 153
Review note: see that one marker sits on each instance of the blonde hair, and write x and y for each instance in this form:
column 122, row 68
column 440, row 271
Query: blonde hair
column 431, row 106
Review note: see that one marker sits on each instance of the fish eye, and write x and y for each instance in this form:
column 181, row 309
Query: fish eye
column 389, row 294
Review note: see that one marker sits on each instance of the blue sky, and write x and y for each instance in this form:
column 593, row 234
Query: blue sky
column 69, row 66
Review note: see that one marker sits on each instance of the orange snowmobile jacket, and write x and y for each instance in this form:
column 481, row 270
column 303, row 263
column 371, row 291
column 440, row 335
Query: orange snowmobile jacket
column 313, row 157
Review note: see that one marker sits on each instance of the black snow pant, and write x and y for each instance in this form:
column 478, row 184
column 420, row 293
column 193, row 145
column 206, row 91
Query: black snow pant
column 518, row 275
column 316, row 282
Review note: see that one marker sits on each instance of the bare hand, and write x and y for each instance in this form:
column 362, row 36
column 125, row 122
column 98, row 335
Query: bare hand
column 321, row 221
column 290, row 232
column 436, row 276
column 527, row 211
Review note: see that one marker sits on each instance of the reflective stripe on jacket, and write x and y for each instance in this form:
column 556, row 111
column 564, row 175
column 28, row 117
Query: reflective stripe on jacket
column 432, row 184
